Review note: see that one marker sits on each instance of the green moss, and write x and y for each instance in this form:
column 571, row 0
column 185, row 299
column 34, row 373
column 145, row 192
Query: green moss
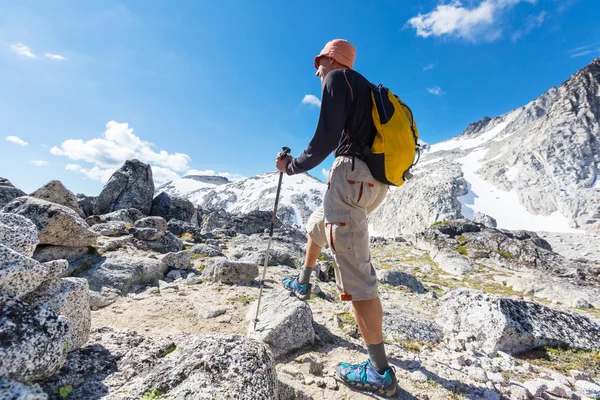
column 152, row 394
column 322, row 257
column 187, row 246
column 65, row 391
column 186, row 236
column 462, row 249
column 169, row 350
column 240, row 299
column 504, row 254
column 462, row 240
column 411, row 345
column 444, row 222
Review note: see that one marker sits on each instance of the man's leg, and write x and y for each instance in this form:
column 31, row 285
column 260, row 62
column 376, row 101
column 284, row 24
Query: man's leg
column 369, row 317
column 310, row 260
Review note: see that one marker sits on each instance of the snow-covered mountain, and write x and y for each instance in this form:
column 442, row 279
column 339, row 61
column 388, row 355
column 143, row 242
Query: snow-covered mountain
column 535, row 168
column 300, row 194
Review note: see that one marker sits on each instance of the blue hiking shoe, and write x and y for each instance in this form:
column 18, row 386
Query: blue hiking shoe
column 300, row 291
column 363, row 376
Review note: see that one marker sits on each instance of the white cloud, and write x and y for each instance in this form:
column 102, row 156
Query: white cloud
column 95, row 173
column 23, row 50
column 533, row 21
column 163, row 175
column 311, row 100
column 230, row 176
column 585, row 50
column 428, row 67
column 118, row 144
column 436, row 90
column 16, row 140
column 472, row 22
column 325, row 173
column 39, row 163
column 54, row 56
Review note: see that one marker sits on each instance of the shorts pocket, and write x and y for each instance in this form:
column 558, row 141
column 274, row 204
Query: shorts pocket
column 339, row 232
column 361, row 186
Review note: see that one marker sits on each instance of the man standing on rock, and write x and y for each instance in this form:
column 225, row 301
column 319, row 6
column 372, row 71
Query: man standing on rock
column 345, row 124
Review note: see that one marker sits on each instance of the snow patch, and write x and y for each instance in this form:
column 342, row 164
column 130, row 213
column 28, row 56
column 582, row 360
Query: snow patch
column 511, row 173
column 502, row 205
column 432, row 161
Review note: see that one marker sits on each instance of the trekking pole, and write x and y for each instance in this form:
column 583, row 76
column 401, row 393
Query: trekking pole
column 284, row 154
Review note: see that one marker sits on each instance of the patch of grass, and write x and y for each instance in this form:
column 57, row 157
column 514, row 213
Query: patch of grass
column 152, row 394
column 65, row 391
column 240, row 299
column 322, row 257
column 462, row 249
column 504, row 254
column 169, row 350
column 562, row 360
column 187, row 246
column 346, row 317
column 412, row 345
column 462, row 240
column 186, row 236
column 444, row 222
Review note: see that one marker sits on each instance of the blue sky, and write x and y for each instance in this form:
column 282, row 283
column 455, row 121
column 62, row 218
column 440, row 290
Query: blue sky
column 219, row 86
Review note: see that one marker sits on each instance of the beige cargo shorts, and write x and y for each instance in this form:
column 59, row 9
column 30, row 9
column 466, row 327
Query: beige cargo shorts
column 341, row 223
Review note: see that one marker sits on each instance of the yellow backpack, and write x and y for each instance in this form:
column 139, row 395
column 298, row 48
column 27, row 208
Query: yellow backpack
column 393, row 151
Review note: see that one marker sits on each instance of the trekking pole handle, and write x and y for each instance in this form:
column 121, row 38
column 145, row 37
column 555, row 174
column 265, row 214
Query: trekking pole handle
column 285, row 152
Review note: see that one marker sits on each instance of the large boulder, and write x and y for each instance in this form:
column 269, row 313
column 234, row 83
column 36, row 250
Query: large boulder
column 171, row 207
column 284, row 322
column 123, row 365
column 222, row 270
column 18, row 233
column 119, row 272
column 8, row 192
column 33, row 340
column 179, row 260
column 131, row 186
column 57, row 225
column 19, row 275
column 69, row 297
column 253, row 222
column 128, row 216
column 56, row 192
column 158, row 223
column 512, row 326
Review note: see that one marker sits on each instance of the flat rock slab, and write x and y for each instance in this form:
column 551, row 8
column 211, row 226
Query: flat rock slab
column 223, row 270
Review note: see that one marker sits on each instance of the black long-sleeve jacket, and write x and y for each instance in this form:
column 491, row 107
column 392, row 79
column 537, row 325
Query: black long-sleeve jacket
column 345, row 122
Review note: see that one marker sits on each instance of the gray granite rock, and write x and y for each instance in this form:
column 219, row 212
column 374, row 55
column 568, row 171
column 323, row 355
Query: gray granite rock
column 398, row 278
column 158, row 223
column 128, row 216
column 56, row 192
column 284, row 322
column 38, row 340
column 13, row 390
column 172, row 207
column 57, row 225
column 512, row 326
column 179, row 260
column 8, row 192
column 147, row 234
column 112, row 228
column 19, row 275
column 68, row 297
column 131, row 186
column 45, row 253
column 222, row 270
column 18, row 233
column 123, row 365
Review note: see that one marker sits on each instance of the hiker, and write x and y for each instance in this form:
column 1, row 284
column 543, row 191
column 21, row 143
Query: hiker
column 345, row 124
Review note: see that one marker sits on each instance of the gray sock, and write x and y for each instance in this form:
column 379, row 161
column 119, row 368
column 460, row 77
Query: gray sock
column 378, row 357
column 305, row 275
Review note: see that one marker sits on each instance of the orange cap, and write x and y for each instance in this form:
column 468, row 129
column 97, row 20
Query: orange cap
column 340, row 50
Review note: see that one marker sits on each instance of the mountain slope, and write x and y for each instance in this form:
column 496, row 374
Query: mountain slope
column 300, row 194
column 535, row 168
